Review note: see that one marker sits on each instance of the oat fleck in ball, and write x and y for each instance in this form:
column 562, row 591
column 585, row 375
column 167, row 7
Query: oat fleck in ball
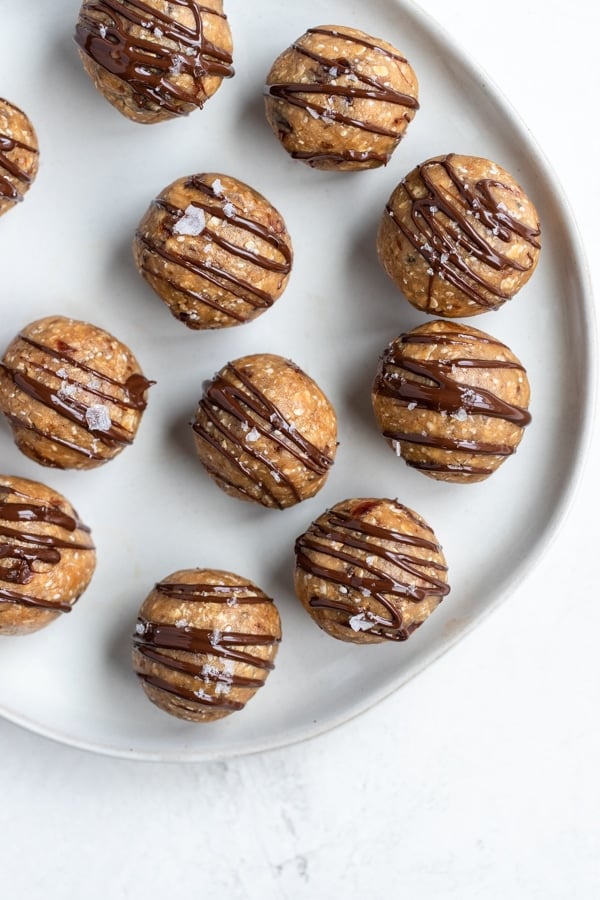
column 214, row 250
column 155, row 59
column 265, row 432
column 340, row 99
column 19, row 155
column 204, row 643
column 370, row 570
column 47, row 557
column 72, row 393
column 451, row 400
column 459, row 236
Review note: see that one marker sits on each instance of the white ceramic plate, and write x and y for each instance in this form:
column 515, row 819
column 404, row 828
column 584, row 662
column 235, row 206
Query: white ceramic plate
column 66, row 250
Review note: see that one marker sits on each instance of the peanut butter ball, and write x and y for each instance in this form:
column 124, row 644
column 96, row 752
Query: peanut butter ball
column 204, row 643
column 265, row 432
column 459, row 236
column 155, row 59
column 19, row 155
column 370, row 570
column 340, row 99
column 451, row 400
column 47, row 557
column 214, row 250
column 72, row 393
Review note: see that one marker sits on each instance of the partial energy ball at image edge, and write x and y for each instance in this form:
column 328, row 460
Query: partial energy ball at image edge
column 47, row 556
column 340, row 99
column 19, row 155
column 215, row 251
column 73, row 394
column 204, row 642
column 156, row 60
column 370, row 570
column 451, row 400
column 265, row 431
column 459, row 236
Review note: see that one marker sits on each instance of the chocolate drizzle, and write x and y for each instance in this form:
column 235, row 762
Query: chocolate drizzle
column 152, row 63
column 232, row 595
column 227, row 280
column 10, row 171
column 54, row 388
column 431, row 384
column 372, row 566
column 186, row 649
column 454, row 228
column 359, row 85
column 253, row 410
column 23, row 551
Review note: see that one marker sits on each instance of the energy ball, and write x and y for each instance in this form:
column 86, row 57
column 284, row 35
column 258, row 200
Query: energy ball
column 265, row 432
column 155, row 59
column 204, row 642
column 72, row 393
column 459, row 236
column 47, row 557
column 340, row 99
column 19, row 155
column 214, row 250
column 370, row 570
column 451, row 400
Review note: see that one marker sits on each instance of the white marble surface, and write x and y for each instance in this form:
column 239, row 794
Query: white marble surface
column 479, row 779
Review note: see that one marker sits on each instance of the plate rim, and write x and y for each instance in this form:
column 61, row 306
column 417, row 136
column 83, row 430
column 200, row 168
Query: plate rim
column 429, row 25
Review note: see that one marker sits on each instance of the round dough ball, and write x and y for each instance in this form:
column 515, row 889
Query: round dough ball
column 156, row 59
column 204, row 642
column 370, row 570
column 47, row 557
column 214, row 250
column 72, row 393
column 19, row 155
column 451, row 400
column 459, row 236
column 340, row 99
column 264, row 431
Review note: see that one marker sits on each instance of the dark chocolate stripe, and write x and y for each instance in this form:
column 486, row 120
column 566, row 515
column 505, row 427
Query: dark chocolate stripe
column 212, row 593
column 7, row 596
column 34, row 449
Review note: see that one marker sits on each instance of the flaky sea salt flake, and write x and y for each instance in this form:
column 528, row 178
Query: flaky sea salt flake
column 98, row 418
column 359, row 623
column 193, row 222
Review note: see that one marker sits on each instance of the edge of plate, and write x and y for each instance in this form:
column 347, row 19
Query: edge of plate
column 440, row 35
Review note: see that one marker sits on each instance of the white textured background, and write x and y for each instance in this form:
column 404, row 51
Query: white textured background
column 479, row 779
